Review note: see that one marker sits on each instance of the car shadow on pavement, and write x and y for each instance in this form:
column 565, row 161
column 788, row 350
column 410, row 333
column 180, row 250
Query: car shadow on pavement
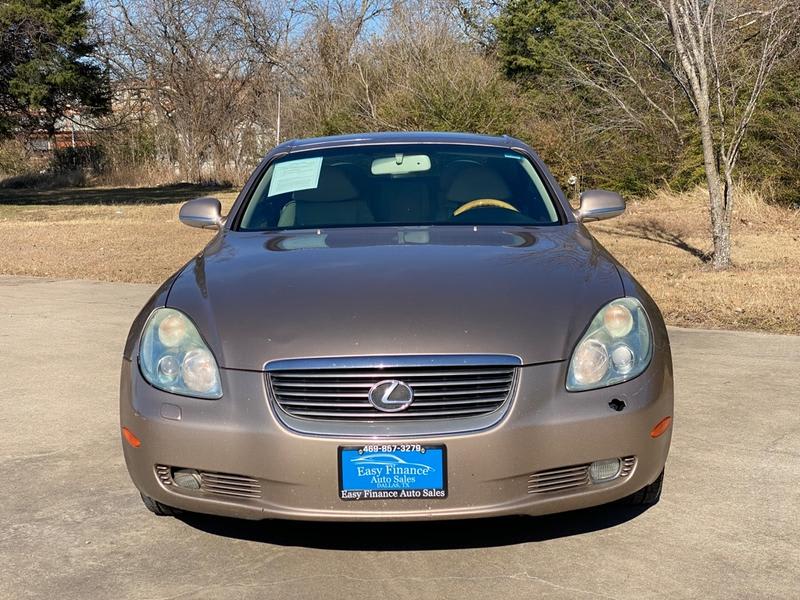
column 416, row 536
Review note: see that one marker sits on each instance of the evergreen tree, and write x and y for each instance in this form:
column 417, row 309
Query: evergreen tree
column 533, row 36
column 46, row 64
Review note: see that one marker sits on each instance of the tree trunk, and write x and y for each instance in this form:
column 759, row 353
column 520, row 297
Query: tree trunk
column 720, row 225
column 719, row 197
column 722, row 231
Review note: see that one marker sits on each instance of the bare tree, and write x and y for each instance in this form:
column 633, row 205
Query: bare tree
column 475, row 19
column 718, row 54
column 422, row 73
column 201, row 70
column 324, row 58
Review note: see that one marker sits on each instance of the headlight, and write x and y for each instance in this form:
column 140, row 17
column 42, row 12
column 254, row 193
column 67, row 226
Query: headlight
column 616, row 347
column 173, row 357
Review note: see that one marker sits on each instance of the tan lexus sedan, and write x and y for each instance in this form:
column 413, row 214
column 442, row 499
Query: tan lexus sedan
column 398, row 326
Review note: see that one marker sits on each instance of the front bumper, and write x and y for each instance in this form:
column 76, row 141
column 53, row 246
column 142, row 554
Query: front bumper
column 545, row 427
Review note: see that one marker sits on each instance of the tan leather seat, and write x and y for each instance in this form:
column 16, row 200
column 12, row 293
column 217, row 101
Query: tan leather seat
column 335, row 201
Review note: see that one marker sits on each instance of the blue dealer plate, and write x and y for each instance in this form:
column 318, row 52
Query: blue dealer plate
column 392, row 471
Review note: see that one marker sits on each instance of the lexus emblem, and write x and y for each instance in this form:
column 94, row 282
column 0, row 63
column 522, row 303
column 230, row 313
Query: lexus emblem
column 391, row 395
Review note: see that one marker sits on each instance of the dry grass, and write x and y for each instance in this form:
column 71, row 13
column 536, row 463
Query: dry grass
column 134, row 241
column 134, row 235
column 664, row 241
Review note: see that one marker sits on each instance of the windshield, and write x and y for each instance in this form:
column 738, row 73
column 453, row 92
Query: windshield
column 425, row 184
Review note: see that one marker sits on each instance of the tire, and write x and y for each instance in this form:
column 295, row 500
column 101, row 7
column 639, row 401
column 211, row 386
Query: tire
column 648, row 495
column 162, row 510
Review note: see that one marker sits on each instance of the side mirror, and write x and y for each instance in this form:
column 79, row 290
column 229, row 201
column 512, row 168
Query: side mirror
column 597, row 205
column 205, row 213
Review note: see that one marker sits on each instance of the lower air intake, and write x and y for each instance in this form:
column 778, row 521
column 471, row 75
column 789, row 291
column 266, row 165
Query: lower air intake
column 220, row 484
column 574, row 476
column 229, row 485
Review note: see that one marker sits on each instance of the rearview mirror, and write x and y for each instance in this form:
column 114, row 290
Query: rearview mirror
column 205, row 213
column 401, row 164
column 597, row 205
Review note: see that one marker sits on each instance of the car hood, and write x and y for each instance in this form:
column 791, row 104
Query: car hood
column 529, row 292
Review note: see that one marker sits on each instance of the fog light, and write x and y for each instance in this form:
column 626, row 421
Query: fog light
column 186, row 478
column 603, row 470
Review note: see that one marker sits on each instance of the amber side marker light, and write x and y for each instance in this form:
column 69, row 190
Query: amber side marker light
column 661, row 427
column 130, row 438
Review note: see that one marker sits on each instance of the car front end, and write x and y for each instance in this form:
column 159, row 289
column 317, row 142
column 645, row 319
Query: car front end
column 397, row 372
column 535, row 458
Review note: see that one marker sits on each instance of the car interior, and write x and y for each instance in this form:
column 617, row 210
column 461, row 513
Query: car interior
column 488, row 188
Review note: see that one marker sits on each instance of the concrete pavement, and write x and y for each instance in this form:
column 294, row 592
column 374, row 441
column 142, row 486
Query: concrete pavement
column 72, row 525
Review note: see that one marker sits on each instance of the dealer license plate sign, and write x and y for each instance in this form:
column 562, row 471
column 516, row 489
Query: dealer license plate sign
column 392, row 472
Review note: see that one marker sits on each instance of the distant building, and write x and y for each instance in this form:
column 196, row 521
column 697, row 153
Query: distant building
column 72, row 131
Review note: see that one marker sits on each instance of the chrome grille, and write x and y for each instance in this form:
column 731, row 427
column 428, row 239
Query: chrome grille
column 444, row 387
